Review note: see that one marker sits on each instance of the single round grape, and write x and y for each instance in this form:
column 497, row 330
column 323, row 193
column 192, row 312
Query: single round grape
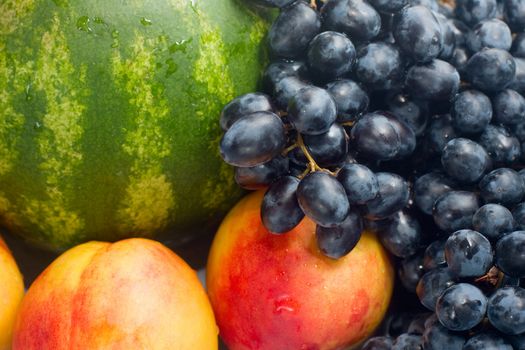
column 328, row 149
column 432, row 285
column 468, row 253
column 260, row 176
column 465, row 160
column 355, row 18
column 428, row 188
column 336, row 242
column 491, row 69
column 350, row 99
column 500, row 144
column 448, row 39
column 379, row 66
column 506, row 310
column 278, row 70
column 293, row 29
column 286, row 88
column 518, row 213
column 407, row 341
column 381, row 136
column 359, row 182
column 436, row 80
column 253, row 140
column 454, row 210
column 518, row 45
column 461, row 307
column 515, row 14
column 510, row 254
column 410, row 272
column 486, row 341
column 312, row 111
column 393, row 196
column 474, row 11
column 418, row 33
column 472, row 111
column 490, row 33
column 439, row 133
column 402, row 235
column 331, row 54
column 434, row 255
column 437, row 337
column 244, row 105
column 503, row 185
column 323, row 199
column 413, row 112
column 518, row 83
column 509, row 108
column 280, row 211
column 388, row 5
column 378, row 343
column 493, row 220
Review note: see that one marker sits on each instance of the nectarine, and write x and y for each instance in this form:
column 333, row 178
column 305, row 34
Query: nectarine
column 278, row 292
column 133, row 294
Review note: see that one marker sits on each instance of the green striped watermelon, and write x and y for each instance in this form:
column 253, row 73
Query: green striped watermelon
column 109, row 115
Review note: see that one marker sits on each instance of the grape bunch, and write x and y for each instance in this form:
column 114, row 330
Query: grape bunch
column 407, row 118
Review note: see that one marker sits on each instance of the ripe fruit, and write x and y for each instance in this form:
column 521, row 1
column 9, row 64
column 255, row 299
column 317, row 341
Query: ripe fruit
column 11, row 293
column 109, row 115
column 280, row 292
column 132, row 294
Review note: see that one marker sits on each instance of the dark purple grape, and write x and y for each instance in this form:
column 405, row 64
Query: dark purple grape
column 437, row 337
column 244, row 105
column 331, row 54
column 518, row 45
column 503, row 185
column 491, row 69
column 276, row 71
column 293, row 30
column 472, row 111
column 312, row 111
column 436, row 80
column 510, row 254
column 428, row 188
column 414, row 113
column 359, row 182
column 393, row 196
column 260, row 176
column 459, row 59
column 286, row 88
column 280, row 211
column 434, row 256
column 328, row 149
column 379, row 66
column 509, row 108
column 336, row 242
column 253, row 139
column 417, row 325
column 515, row 14
column 474, row 11
column 465, row 160
column 506, row 310
column 439, row 133
column 460, row 30
column 468, row 253
column 518, row 213
column 323, row 199
column 378, row 343
column 410, row 272
column 418, row 33
column 454, row 210
column 407, row 341
column 461, row 307
column 402, row 235
column 448, row 38
column 486, row 341
column 492, row 221
column 490, row 33
column 518, row 83
column 389, row 6
column 355, row 18
column 500, row 144
column 432, row 284
column 350, row 98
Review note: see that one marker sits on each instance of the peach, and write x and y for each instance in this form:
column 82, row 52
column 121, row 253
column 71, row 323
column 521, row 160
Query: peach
column 11, row 293
column 279, row 291
column 132, row 294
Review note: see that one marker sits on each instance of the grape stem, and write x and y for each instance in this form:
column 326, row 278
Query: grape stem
column 312, row 164
column 494, row 277
column 313, row 4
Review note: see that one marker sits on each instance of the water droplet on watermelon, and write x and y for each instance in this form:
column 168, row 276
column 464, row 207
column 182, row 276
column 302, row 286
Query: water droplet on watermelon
column 83, row 24
column 145, row 21
column 38, row 125
column 180, row 46
column 28, row 92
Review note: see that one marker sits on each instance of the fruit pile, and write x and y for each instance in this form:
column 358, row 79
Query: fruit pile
column 407, row 118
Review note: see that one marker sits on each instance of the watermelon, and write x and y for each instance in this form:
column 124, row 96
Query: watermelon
column 109, row 115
